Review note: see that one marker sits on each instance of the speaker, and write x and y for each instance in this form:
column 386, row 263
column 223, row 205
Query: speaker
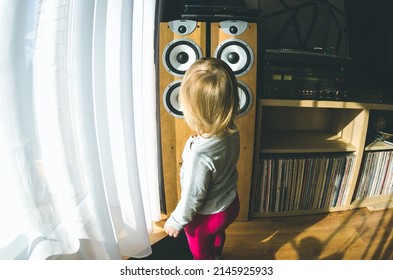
column 370, row 44
column 235, row 42
column 181, row 42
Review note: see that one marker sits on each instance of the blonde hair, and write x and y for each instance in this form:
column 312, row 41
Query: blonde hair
column 209, row 97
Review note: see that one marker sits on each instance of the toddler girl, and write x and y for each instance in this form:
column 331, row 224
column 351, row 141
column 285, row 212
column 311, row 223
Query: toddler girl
column 209, row 202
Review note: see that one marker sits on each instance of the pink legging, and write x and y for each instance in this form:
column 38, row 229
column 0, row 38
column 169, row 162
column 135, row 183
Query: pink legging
column 206, row 233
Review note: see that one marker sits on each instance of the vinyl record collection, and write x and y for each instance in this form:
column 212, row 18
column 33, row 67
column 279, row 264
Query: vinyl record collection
column 377, row 174
column 293, row 182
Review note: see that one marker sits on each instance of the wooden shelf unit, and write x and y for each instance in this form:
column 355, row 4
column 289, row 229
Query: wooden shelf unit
column 315, row 126
column 303, row 141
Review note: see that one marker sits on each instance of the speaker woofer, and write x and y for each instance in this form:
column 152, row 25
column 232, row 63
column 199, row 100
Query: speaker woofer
column 179, row 54
column 237, row 54
column 245, row 98
column 171, row 99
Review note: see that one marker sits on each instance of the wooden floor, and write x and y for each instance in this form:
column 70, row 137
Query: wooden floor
column 359, row 234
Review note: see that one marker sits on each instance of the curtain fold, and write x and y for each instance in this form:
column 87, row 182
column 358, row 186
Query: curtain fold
column 77, row 178
column 144, row 78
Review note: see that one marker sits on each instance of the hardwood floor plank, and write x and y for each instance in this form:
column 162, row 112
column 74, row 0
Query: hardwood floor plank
column 358, row 234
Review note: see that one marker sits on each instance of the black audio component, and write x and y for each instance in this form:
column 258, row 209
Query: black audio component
column 221, row 13
column 304, row 24
column 311, row 74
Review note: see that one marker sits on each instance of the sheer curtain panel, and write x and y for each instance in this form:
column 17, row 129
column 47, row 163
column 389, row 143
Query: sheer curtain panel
column 78, row 138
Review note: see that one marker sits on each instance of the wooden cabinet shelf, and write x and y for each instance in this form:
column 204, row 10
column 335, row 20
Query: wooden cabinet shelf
column 289, row 129
column 377, row 202
column 304, row 142
column 378, row 146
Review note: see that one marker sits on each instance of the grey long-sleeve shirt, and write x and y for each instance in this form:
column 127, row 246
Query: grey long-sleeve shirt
column 208, row 177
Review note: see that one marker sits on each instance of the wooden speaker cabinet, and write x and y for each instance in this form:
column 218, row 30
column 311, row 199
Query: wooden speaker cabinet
column 181, row 42
column 235, row 42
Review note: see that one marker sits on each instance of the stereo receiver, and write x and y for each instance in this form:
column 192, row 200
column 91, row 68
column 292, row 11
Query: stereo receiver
column 294, row 74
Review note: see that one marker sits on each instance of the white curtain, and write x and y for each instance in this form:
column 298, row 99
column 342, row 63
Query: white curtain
column 78, row 137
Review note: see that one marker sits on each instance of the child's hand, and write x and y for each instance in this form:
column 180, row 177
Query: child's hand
column 171, row 231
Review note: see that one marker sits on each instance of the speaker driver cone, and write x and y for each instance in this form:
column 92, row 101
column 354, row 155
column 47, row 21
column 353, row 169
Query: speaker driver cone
column 171, row 99
column 179, row 54
column 245, row 98
column 237, row 54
